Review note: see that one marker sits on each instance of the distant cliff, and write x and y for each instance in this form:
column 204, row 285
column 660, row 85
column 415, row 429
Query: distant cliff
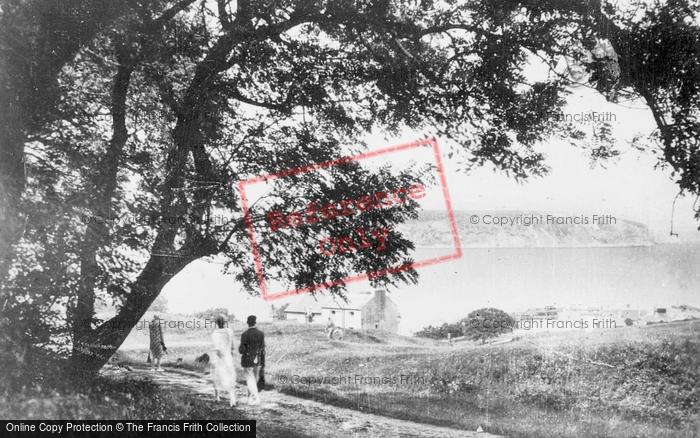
column 513, row 229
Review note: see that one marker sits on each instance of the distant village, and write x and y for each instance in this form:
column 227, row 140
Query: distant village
column 581, row 317
column 362, row 311
column 375, row 311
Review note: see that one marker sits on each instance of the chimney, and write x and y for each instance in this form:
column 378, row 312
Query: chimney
column 380, row 294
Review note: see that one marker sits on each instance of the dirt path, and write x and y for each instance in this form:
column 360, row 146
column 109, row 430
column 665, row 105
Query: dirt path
column 282, row 415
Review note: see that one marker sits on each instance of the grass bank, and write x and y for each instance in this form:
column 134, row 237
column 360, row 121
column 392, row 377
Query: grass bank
column 103, row 399
column 627, row 382
column 632, row 382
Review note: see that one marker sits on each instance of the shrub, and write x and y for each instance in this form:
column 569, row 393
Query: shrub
column 486, row 324
column 441, row 332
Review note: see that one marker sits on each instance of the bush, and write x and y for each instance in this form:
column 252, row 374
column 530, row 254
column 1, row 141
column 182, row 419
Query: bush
column 431, row 332
column 487, row 323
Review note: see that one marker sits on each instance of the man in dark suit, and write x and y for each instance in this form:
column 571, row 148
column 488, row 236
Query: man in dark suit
column 252, row 349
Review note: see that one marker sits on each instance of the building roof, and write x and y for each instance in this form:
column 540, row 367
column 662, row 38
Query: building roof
column 306, row 300
column 355, row 301
column 541, row 311
column 684, row 312
column 685, row 308
column 632, row 314
column 656, row 318
column 616, row 315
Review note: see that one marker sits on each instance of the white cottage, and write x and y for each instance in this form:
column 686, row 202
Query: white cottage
column 303, row 307
column 364, row 311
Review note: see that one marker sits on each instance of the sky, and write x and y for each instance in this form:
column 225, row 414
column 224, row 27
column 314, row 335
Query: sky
column 628, row 188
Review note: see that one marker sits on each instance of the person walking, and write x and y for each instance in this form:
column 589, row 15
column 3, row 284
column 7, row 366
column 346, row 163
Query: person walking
column 330, row 327
column 223, row 372
column 252, row 351
column 157, row 344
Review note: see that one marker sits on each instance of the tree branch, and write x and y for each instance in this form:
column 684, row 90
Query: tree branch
column 224, row 17
column 284, row 107
column 170, row 13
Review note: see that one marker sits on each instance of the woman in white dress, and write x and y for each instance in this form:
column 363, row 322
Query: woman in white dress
column 223, row 372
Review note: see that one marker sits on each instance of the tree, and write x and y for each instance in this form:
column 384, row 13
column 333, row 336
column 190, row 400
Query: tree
column 39, row 38
column 487, row 323
column 442, row 332
column 155, row 110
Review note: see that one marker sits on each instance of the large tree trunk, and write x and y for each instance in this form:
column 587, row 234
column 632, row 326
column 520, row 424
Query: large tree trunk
column 93, row 347
column 12, row 178
column 105, row 184
column 98, row 345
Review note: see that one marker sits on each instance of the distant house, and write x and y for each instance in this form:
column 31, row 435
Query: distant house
column 679, row 313
column 540, row 313
column 587, row 317
column 363, row 311
column 597, row 317
column 303, row 306
column 612, row 319
column 673, row 313
column 634, row 314
column 659, row 315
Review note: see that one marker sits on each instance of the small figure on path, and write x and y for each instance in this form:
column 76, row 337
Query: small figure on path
column 330, row 327
column 223, row 372
column 252, row 351
column 157, row 345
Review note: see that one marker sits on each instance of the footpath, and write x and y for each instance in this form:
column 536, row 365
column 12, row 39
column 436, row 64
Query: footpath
column 285, row 416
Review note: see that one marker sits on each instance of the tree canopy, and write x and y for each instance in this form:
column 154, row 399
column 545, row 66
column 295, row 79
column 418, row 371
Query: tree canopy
column 487, row 323
column 154, row 110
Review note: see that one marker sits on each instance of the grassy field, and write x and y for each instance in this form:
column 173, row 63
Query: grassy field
column 626, row 382
column 631, row 382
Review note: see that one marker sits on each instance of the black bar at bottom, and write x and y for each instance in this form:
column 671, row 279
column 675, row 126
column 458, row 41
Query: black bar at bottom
column 127, row 429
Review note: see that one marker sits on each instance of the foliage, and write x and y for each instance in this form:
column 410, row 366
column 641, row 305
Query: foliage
column 480, row 324
column 487, row 323
column 441, row 332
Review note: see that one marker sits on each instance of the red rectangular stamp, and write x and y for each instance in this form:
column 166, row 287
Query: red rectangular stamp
column 277, row 222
